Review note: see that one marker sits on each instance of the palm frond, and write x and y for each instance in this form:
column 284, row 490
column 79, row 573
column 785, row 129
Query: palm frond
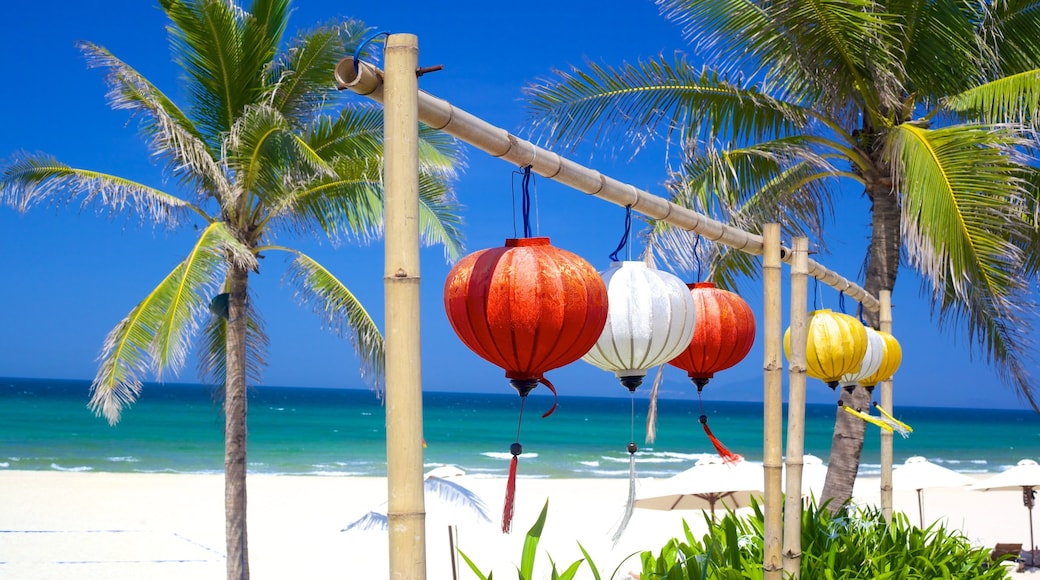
column 936, row 37
column 340, row 312
column 212, row 359
column 225, row 53
column 156, row 333
column 300, row 76
column 172, row 135
column 188, row 296
column 638, row 101
column 963, row 198
column 439, row 219
column 31, row 180
column 1011, row 99
column 1010, row 33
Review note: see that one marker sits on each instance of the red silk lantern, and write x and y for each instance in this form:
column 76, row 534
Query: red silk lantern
column 722, row 337
column 527, row 307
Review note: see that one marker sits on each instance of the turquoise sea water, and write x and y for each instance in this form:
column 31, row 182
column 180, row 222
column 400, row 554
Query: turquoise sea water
column 45, row 425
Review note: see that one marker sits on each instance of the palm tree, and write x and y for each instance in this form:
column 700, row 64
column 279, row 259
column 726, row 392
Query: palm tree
column 254, row 158
column 925, row 107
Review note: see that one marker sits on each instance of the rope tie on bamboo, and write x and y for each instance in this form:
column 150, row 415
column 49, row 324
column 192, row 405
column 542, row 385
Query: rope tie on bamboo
column 523, row 387
column 726, row 455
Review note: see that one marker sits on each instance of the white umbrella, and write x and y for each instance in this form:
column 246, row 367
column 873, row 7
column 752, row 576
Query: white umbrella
column 710, row 483
column 1025, row 476
column 918, row 474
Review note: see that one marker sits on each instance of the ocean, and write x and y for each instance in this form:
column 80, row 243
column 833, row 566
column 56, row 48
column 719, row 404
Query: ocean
column 175, row 428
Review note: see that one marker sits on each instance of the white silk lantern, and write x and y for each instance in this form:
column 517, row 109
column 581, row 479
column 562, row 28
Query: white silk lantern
column 871, row 360
column 650, row 320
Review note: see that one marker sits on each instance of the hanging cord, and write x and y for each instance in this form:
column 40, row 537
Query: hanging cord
column 816, row 293
column 624, row 238
column 364, row 43
column 841, row 302
column 525, row 200
column 860, row 314
column 697, row 256
column 726, row 455
column 630, row 505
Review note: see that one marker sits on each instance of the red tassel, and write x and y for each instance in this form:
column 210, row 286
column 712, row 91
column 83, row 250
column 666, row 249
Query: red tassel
column 507, row 511
column 726, row 455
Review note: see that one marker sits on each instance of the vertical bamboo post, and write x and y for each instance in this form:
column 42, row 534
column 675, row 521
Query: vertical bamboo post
column 772, row 452
column 885, row 318
column 796, row 409
column 404, row 456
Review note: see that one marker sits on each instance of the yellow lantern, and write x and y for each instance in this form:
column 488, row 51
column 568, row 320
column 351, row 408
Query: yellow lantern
column 836, row 345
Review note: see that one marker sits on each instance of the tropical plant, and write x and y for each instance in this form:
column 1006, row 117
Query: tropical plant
column 857, row 545
column 929, row 107
column 255, row 157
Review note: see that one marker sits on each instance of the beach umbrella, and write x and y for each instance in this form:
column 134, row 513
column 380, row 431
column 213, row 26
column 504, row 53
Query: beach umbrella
column 1024, row 476
column 527, row 307
column 650, row 320
column 836, row 344
column 710, row 484
column 918, row 474
column 722, row 337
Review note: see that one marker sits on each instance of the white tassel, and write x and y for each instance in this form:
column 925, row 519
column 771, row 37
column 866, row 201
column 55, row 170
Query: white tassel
column 631, row 505
column 651, row 413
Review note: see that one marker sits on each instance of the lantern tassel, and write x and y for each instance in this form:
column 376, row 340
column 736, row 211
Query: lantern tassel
column 630, row 506
column 864, row 416
column 651, row 413
column 892, row 419
column 507, row 510
column 726, row 455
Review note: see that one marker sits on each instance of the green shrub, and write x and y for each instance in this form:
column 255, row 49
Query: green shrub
column 856, row 544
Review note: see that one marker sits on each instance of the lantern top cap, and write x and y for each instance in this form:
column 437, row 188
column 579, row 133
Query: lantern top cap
column 693, row 285
column 522, row 242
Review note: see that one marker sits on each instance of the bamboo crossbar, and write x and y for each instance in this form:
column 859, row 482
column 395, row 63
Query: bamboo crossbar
column 367, row 80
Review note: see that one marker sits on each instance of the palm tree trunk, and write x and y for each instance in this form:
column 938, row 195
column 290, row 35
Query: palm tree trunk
column 235, row 429
column 882, row 266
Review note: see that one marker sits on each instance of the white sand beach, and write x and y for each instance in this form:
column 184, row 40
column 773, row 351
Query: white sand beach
column 72, row 526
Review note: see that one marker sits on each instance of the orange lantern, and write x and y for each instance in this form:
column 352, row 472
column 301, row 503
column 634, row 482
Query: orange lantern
column 722, row 337
column 527, row 307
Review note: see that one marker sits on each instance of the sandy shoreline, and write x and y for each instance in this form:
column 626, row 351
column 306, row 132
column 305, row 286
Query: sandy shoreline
column 114, row 526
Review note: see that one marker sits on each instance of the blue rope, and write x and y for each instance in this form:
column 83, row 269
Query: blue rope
column 860, row 309
column 624, row 238
column 360, row 47
column 841, row 301
column 697, row 256
column 816, row 293
column 525, row 200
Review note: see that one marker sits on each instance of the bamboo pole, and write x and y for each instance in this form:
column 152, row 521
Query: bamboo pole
column 885, row 318
column 367, row 80
column 404, row 456
column 772, row 453
column 796, row 410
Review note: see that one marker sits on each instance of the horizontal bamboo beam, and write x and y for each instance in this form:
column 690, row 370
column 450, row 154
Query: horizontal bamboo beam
column 367, row 80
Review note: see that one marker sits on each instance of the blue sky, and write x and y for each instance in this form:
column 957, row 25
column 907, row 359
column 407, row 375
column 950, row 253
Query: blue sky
column 70, row 276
